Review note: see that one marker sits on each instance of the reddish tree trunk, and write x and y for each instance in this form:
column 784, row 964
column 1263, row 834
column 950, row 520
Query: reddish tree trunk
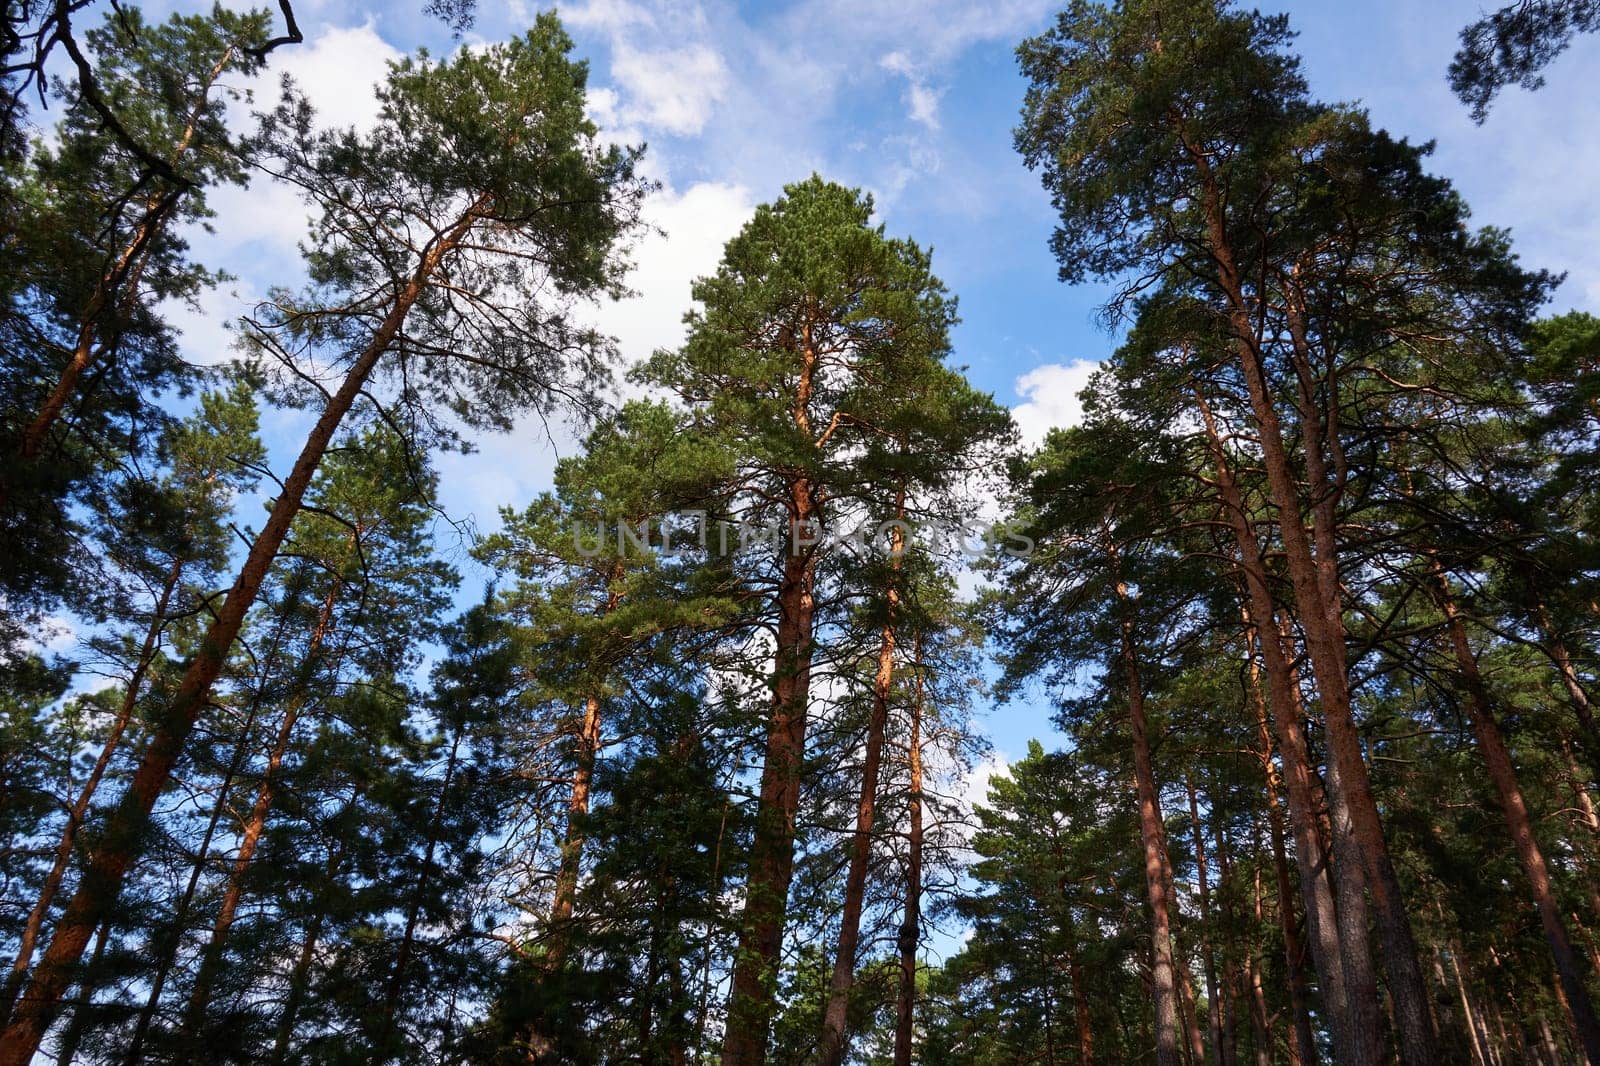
column 124, row 272
column 1157, row 872
column 1302, row 1043
column 300, row 977
column 80, row 807
column 250, row 840
column 1080, row 1014
column 1208, row 956
column 180, row 914
column 1497, row 758
column 1314, row 578
column 102, row 880
column 831, row 1048
column 911, row 924
column 752, row 993
column 1576, row 694
column 1320, row 616
column 588, row 750
column 1352, row 1021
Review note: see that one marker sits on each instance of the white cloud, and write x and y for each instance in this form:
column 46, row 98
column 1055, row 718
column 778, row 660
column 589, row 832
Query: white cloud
column 339, row 70
column 674, row 90
column 670, row 75
column 689, row 230
column 685, row 242
column 259, row 226
column 209, row 326
column 922, row 101
column 1050, row 398
column 609, row 15
column 55, row 634
column 973, row 788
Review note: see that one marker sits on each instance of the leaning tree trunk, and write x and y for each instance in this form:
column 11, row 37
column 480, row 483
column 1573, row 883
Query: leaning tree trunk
column 394, row 991
column 1577, row 695
column 1497, row 758
column 108, row 865
column 1320, row 615
column 1208, row 955
column 79, row 810
column 300, row 976
column 180, row 914
column 72, row 1034
column 255, row 825
column 118, row 283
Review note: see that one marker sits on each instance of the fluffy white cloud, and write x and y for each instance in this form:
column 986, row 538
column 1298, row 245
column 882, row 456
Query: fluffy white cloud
column 257, row 228
column 208, row 326
column 972, row 788
column 688, row 230
column 1050, row 398
column 670, row 75
column 339, row 69
column 674, row 89
column 55, row 634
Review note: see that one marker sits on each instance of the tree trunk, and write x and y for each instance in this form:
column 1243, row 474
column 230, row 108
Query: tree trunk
column 299, row 978
column 566, row 891
column 1194, row 1046
column 752, row 995
column 703, row 1008
column 1208, row 956
column 1080, row 1014
column 180, row 914
column 1314, row 579
column 1320, row 615
column 1582, row 709
column 588, row 749
column 1260, row 1024
column 1302, row 1042
column 1352, row 1021
column 233, row 892
column 102, row 880
column 80, row 807
column 1157, row 874
column 1232, row 982
column 126, row 269
column 911, row 924
column 1469, row 1016
column 751, row 1001
column 72, row 1035
column 408, row 937
column 832, row 1045
column 1497, row 758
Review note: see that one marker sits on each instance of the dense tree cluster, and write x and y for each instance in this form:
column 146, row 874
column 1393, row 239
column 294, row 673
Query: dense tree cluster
column 1314, row 586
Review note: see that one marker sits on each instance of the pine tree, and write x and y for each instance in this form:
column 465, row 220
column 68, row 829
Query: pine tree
column 813, row 327
column 495, row 181
column 94, row 246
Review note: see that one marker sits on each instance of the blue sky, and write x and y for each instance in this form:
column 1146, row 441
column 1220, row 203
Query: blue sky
column 914, row 101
